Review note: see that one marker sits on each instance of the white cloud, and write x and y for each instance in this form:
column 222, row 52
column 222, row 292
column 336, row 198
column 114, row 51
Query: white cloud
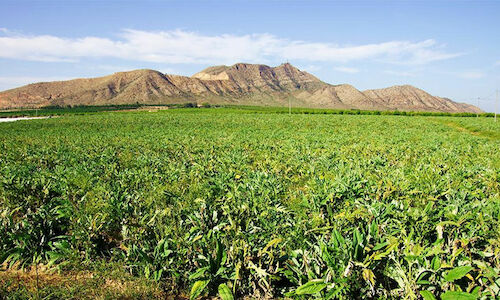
column 400, row 73
column 470, row 74
column 346, row 70
column 178, row 46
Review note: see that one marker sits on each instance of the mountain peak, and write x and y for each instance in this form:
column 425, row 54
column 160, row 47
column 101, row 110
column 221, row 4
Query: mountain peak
column 213, row 73
column 245, row 74
column 242, row 66
column 287, row 65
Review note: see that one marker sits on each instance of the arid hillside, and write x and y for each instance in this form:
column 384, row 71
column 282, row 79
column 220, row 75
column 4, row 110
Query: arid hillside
column 407, row 97
column 243, row 84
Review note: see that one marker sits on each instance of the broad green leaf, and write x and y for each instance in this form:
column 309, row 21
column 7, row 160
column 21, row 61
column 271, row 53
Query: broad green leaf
column 225, row 292
column 427, row 295
column 453, row 295
column 199, row 273
column 476, row 291
column 457, row 273
column 53, row 257
column 326, row 255
column 338, row 238
column 312, row 287
column 219, row 254
column 198, row 288
column 333, row 293
column 380, row 246
column 436, row 263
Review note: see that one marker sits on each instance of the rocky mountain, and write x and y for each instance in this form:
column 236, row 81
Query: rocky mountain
column 407, row 97
column 243, row 84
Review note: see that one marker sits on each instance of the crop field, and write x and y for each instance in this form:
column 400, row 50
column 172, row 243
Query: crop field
column 56, row 111
column 230, row 203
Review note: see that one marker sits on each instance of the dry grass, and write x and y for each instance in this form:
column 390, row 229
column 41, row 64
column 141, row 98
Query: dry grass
column 46, row 283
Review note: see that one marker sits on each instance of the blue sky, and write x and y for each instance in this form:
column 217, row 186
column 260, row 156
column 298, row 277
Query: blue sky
column 448, row 48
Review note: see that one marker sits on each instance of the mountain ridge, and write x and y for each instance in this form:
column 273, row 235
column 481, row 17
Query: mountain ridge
column 241, row 83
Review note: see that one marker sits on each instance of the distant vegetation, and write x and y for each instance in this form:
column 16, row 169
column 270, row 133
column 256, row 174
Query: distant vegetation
column 285, row 110
column 61, row 110
column 229, row 202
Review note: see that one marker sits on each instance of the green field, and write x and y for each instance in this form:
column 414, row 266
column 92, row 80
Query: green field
column 66, row 110
column 230, row 202
column 57, row 111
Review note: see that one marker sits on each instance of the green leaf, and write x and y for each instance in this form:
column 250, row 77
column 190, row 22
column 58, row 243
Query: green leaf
column 53, row 257
column 454, row 295
column 198, row 288
column 225, row 292
column 220, row 271
column 312, row 287
column 290, row 294
column 380, row 246
column 475, row 291
column 338, row 240
column 436, row 263
column 457, row 273
column 427, row 295
column 199, row 273
column 167, row 252
column 272, row 243
column 157, row 275
column 219, row 254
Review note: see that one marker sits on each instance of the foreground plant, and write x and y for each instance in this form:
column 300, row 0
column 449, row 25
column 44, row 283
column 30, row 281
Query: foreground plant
column 226, row 203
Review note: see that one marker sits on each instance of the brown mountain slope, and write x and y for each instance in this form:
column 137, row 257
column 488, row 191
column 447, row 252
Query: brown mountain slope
column 144, row 86
column 245, row 84
column 407, row 97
